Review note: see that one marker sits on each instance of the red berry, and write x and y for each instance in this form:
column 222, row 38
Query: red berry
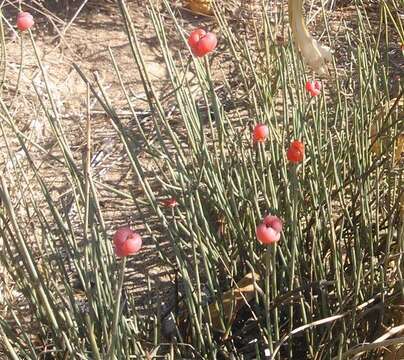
column 269, row 231
column 316, row 87
column 195, row 36
column 127, row 242
column 295, row 153
column 274, row 222
column 24, row 21
column 202, row 42
column 313, row 87
column 260, row 133
column 309, row 86
column 170, row 203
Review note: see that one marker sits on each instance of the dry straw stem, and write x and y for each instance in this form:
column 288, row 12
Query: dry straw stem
column 313, row 53
column 360, row 349
column 331, row 319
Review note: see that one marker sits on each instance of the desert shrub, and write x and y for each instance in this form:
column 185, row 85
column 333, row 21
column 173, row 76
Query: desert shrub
column 324, row 288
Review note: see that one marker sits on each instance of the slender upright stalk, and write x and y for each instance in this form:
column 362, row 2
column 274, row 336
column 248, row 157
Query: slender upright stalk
column 117, row 311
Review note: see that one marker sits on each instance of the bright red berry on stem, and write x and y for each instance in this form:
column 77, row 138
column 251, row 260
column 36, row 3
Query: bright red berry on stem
column 260, row 133
column 127, row 242
column 24, row 21
column 313, row 87
column 269, row 231
column 202, row 42
column 295, row 153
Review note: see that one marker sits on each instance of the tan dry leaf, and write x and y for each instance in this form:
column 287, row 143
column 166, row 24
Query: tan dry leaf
column 233, row 300
column 314, row 54
column 200, row 6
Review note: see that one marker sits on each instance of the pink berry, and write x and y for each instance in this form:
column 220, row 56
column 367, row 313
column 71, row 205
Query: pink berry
column 24, row 21
column 127, row 242
column 269, row 231
column 202, row 42
column 260, row 133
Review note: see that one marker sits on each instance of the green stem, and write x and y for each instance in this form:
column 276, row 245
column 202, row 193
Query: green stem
column 267, row 295
column 117, row 310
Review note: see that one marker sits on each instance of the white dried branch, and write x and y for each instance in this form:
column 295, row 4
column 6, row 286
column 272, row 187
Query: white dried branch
column 314, row 54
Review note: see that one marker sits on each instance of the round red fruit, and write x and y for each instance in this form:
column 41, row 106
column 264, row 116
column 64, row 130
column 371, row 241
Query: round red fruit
column 260, row 133
column 295, row 153
column 269, row 231
column 313, row 87
column 202, row 42
column 24, row 21
column 127, row 242
column 170, row 203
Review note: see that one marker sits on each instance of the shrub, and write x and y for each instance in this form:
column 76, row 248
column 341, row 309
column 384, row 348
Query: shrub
column 316, row 292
